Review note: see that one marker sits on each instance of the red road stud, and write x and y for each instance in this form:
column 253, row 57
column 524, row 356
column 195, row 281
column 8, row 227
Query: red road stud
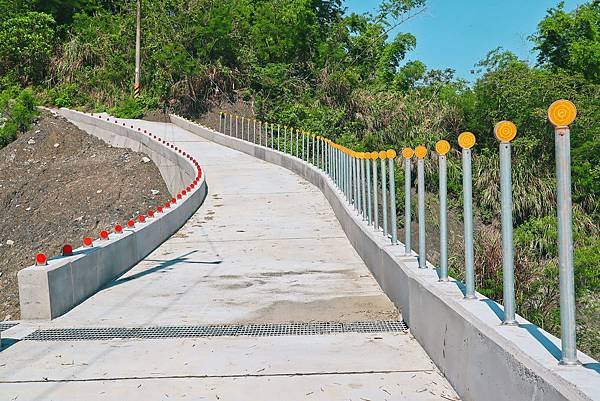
column 173, row 200
column 178, row 196
column 183, row 192
column 141, row 218
column 118, row 229
column 167, row 205
column 87, row 241
column 159, row 209
column 67, row 250
column 41, row 260
column 150, row 213
column 131, row 223
column 104, row 234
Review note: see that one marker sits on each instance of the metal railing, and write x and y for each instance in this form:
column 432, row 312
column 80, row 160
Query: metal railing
column 365, row 186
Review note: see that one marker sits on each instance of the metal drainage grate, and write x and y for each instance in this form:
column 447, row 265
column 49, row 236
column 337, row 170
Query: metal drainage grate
column 248, row 330
column 6, row 326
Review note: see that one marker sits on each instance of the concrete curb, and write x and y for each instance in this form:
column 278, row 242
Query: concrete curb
column 46, row 292
column 481, row 359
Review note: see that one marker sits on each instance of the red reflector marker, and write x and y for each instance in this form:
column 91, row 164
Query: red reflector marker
column 131, row 223
column 183, row 192
column 118, row 229
column 141, row 218
column 167, row 204
column 150, row 213
column 87, row 241
column 173, row 200
column 41, row 260
column 104, row 234
column 178, row 196
column 159, row 209
column 67, row 250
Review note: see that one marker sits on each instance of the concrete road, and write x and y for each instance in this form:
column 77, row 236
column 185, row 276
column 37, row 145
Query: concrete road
column 264, row 248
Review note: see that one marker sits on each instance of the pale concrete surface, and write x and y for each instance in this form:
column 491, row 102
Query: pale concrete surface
column 265, row 247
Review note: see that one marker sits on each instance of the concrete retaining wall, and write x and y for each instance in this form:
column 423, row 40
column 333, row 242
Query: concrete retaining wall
column 482, row 359
column 46, row 292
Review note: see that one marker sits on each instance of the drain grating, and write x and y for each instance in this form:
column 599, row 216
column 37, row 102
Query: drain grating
column 6, row 326
column 248, row 330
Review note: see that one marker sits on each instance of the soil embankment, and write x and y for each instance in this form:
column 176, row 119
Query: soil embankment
column 57, row 185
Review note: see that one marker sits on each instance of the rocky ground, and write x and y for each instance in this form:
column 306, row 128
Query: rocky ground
column 57, row 185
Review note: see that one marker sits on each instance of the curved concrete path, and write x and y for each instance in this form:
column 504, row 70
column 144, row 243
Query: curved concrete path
column 264, row 248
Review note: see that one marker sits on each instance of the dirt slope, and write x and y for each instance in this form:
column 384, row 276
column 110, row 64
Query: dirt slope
column 58, row 185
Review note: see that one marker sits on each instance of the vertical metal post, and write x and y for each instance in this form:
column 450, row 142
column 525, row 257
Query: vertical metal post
column 313, row 149
column 505, row 131
column 407, row 153
column 375, row 156
column 297, row 143
column 272, row 136
column 242, row 130
column 138, row 40
column 363, row 186
column 354, row 182
column 230, row 124
column 236, row 125
column 383, row 157
column 220, row 120
column 278, row 128
column 466, row 140
column 369, row 203
column 254, row 134
column 421, row 152
column 442, row 148
column 561, row 114
column 391, row 154
column 303, row 147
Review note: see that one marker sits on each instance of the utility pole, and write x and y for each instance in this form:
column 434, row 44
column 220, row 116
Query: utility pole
column 138, row 35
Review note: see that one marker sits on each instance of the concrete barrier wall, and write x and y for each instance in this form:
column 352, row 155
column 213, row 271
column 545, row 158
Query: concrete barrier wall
column 46, row 292
column 482, row 359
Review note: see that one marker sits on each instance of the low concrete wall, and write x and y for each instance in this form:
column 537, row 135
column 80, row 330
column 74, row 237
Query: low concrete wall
column 482, row 359
column 46, row 292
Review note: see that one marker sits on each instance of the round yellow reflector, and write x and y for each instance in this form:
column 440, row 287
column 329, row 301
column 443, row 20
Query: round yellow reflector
column 407, row 153
column 466, row 140
column 374, row 155
column 562, row 113
column 383, row 154
column 391, row 153
column 421, row 151
column 505, row 131
column 442, row 147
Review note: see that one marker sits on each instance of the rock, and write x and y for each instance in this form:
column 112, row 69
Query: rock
column 37, row 131
column 145, row 159
column 56, row 145
column 7, row 317
column 154, row 192
column 31, row 141
column 10, row 242
column 99, row 191
column 29, row 208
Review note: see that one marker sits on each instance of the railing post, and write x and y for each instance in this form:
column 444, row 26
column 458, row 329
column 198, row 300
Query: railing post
column 272, row 136
column 363, row 185
column 391, row 154
column 442, row 148
column 242, row 133
column 466, row 140
column 505, row 132
column 375, row 156
column 230, row 124
column 220, row 120
column 236, row 125
column 383, row 157
column 312, row 140
column 297, row 143
column 369, row 196
column 254, row 134
column 421, row 153
column 561, row 114
column 278, row 136
column 407, row 153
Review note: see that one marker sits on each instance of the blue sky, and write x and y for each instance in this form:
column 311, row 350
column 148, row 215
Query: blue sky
column 459, row 33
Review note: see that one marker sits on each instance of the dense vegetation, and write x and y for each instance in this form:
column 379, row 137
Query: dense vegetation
column 310, row 64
